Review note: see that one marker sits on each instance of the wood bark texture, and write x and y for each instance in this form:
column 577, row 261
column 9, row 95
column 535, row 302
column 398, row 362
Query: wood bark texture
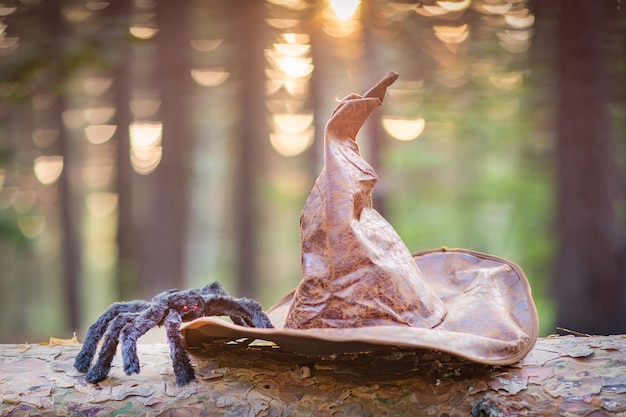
column 561, row 376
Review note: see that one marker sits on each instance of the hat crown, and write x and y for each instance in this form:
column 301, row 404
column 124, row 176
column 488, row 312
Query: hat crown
column 356, row 269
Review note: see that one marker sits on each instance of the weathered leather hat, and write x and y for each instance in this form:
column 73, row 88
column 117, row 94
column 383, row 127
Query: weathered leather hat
column 361, row 288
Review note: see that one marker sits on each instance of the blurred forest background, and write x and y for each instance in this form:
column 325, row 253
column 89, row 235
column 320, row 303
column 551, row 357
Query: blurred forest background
column 155, row 144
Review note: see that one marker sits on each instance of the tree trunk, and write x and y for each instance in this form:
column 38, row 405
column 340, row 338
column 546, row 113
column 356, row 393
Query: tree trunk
column 252, row 133
column 162, row 264
column 589, row 283
column 573, row 376
column 126, row 227
column 51, row 16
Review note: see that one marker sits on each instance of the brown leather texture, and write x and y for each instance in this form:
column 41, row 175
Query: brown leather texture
column 356, row 270
column 361, row 287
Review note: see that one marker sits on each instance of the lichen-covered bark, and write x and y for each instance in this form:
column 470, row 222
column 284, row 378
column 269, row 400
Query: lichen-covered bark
column 565, row 376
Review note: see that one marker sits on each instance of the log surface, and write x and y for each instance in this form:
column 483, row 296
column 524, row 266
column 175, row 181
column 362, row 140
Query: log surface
column 564, row 376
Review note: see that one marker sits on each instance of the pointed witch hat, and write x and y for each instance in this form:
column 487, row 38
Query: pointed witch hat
column 362, row 288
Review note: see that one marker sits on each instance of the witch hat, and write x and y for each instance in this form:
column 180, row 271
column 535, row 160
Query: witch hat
column 361, row 287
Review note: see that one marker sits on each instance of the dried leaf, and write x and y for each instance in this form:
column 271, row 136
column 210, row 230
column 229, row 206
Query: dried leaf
column 55, row 341
column 23, row 348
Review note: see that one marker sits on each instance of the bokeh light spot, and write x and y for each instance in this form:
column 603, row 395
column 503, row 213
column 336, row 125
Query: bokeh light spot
column 98, row 134
column 205, row 45
column 209, row 77
column 145, row 146
column 32, row 226
column 101, row 204
column 96, row 86
column 99, row 115
column 44, row 138
column 403, row 129
column 344, row 9
column 291, row 144
column 144, row 108
column 292, row 123
column 143, row 32
column 48, row 168
column 454, row 6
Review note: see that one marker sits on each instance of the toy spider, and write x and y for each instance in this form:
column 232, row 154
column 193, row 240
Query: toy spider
column 130, row 320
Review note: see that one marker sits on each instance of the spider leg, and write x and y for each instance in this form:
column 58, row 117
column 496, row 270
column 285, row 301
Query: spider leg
column 180, row 360
column 239, row 321
column 214, row 289
column 132, row 331
column 101, row 368
column 217, row 290
column 97, row 329
column 242, row 311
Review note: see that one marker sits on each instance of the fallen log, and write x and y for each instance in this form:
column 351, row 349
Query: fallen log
column 564, row 376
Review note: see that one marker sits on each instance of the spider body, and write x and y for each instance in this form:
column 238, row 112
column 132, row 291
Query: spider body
column 127, row 321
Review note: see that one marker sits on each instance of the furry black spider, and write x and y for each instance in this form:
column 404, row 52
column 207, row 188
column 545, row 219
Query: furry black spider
column 127, row 321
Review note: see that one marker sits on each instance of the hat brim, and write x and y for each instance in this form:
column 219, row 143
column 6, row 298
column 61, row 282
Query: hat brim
column 491, row 317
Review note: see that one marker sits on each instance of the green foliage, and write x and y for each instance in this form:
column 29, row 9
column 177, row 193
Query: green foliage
column 9, row 230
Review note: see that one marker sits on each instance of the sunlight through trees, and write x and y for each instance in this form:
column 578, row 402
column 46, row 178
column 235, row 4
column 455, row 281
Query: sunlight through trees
column 149, row 144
